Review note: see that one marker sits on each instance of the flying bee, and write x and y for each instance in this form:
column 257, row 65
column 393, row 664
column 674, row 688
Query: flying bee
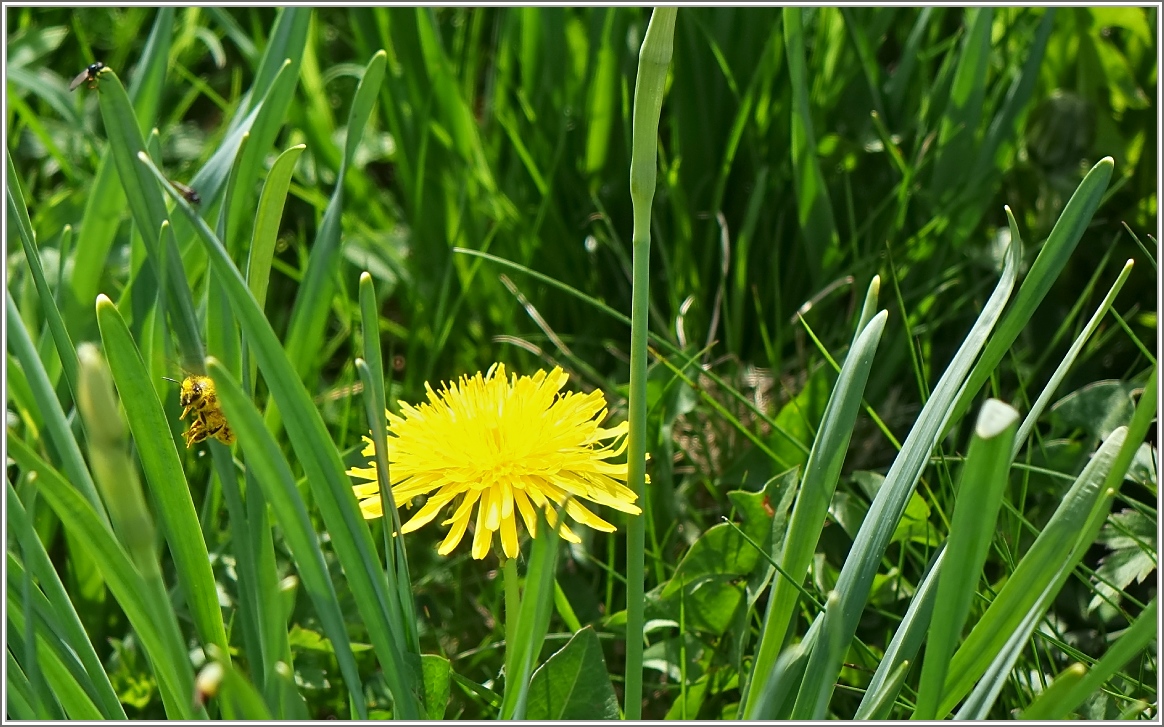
column 89, row 74
column 189, row 193
column 198, row 395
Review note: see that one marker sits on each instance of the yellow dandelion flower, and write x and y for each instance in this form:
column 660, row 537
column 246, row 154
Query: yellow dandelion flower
column 504, row 447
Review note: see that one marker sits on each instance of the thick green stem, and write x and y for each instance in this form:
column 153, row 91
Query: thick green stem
column 654, row 60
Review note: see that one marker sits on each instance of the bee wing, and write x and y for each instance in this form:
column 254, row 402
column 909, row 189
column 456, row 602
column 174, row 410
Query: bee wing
column 81, row 77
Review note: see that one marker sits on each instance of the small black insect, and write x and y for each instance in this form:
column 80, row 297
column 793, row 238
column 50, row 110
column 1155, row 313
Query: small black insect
column 191, row 195
column 89, row 74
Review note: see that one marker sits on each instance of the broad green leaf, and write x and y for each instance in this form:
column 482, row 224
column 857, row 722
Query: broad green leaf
column 437, row 683
column 573, row 683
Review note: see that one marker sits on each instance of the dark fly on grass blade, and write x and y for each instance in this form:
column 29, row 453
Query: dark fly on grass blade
column 191, row 195
column 89, row 74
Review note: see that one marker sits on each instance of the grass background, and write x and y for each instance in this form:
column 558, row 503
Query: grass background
column 793, row 167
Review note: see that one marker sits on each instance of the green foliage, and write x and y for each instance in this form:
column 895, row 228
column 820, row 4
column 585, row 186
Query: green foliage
column 940, row 501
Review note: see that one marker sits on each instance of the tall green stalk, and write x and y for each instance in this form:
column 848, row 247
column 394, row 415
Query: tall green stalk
column 654, row 60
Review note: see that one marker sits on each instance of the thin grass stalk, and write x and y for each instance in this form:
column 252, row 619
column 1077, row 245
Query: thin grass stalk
column 654, row 60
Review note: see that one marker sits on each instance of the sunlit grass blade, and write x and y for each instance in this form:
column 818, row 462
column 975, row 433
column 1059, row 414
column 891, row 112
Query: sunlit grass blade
column 814, row 209
column 273, row 474
column 979, row 497
column 956, row 148
column 881, row 521
column 1028, row 585
column 1068, row 359
column 237, row 697
column 65, row 689
column 903, row 647
column 18, row 212
column 318, row 455
column 148, row 209
column 1078, row 683
column 821, row 474
column 312, row 304
column 37, row 562
column 168, row 657
column 1052, row 258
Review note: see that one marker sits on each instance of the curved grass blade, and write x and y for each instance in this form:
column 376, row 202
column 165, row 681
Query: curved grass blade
column 1035, row 580
column 106, row 198
column 158, row 635
column 18, row 211
column 822, row 471
column 273, row 475
column 881, row 521
column 311, row 308
column 64, row 686
column 163, row 470
column 317, row 453
column 1052, row 257
column 1056, row 703
column 37, row 561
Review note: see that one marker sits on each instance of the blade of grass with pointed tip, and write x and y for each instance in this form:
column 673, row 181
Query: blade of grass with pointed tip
column 372, row 374
column 18, row 211
column 881, row 521
column 57, row 427
column 321, row 461
column 163, row 470
column 273, row 475
column 1057, row 702
column 148, row 208
column 1068, row 359
column 956, row 147
column 65, row 688
column 972, row 527
column 821, row 473
column 313, row 302
column 1065, row 235
column 168, row 657
column 903, row 647
column 72, row 630
column 1028, row 584
column 106, row 198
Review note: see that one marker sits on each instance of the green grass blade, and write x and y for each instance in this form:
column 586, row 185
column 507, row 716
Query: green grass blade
column 814, row 209
column 650, row 85
column 170, row 664
column 18, row 211
column 316, row 452
column 980, row 494
column 237, row 697
column 268, row 216
column 1076, row 689
column 1026, row 586
column 37, row 561
column 312, row 304
column 272, row 473
column 56, row 426
column 65, row 688
column 533, row 618
column 163, row 470
column 19, row 693
column 106, row 199
column 1052, row 258
column 956, row 148
column 821, row 474
column 888, row 506
column 1069, row 359
column 148, row 208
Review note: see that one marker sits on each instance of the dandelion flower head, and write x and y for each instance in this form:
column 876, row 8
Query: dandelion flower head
column 502, row 447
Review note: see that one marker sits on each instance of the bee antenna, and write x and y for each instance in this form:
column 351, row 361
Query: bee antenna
column 167, row 378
